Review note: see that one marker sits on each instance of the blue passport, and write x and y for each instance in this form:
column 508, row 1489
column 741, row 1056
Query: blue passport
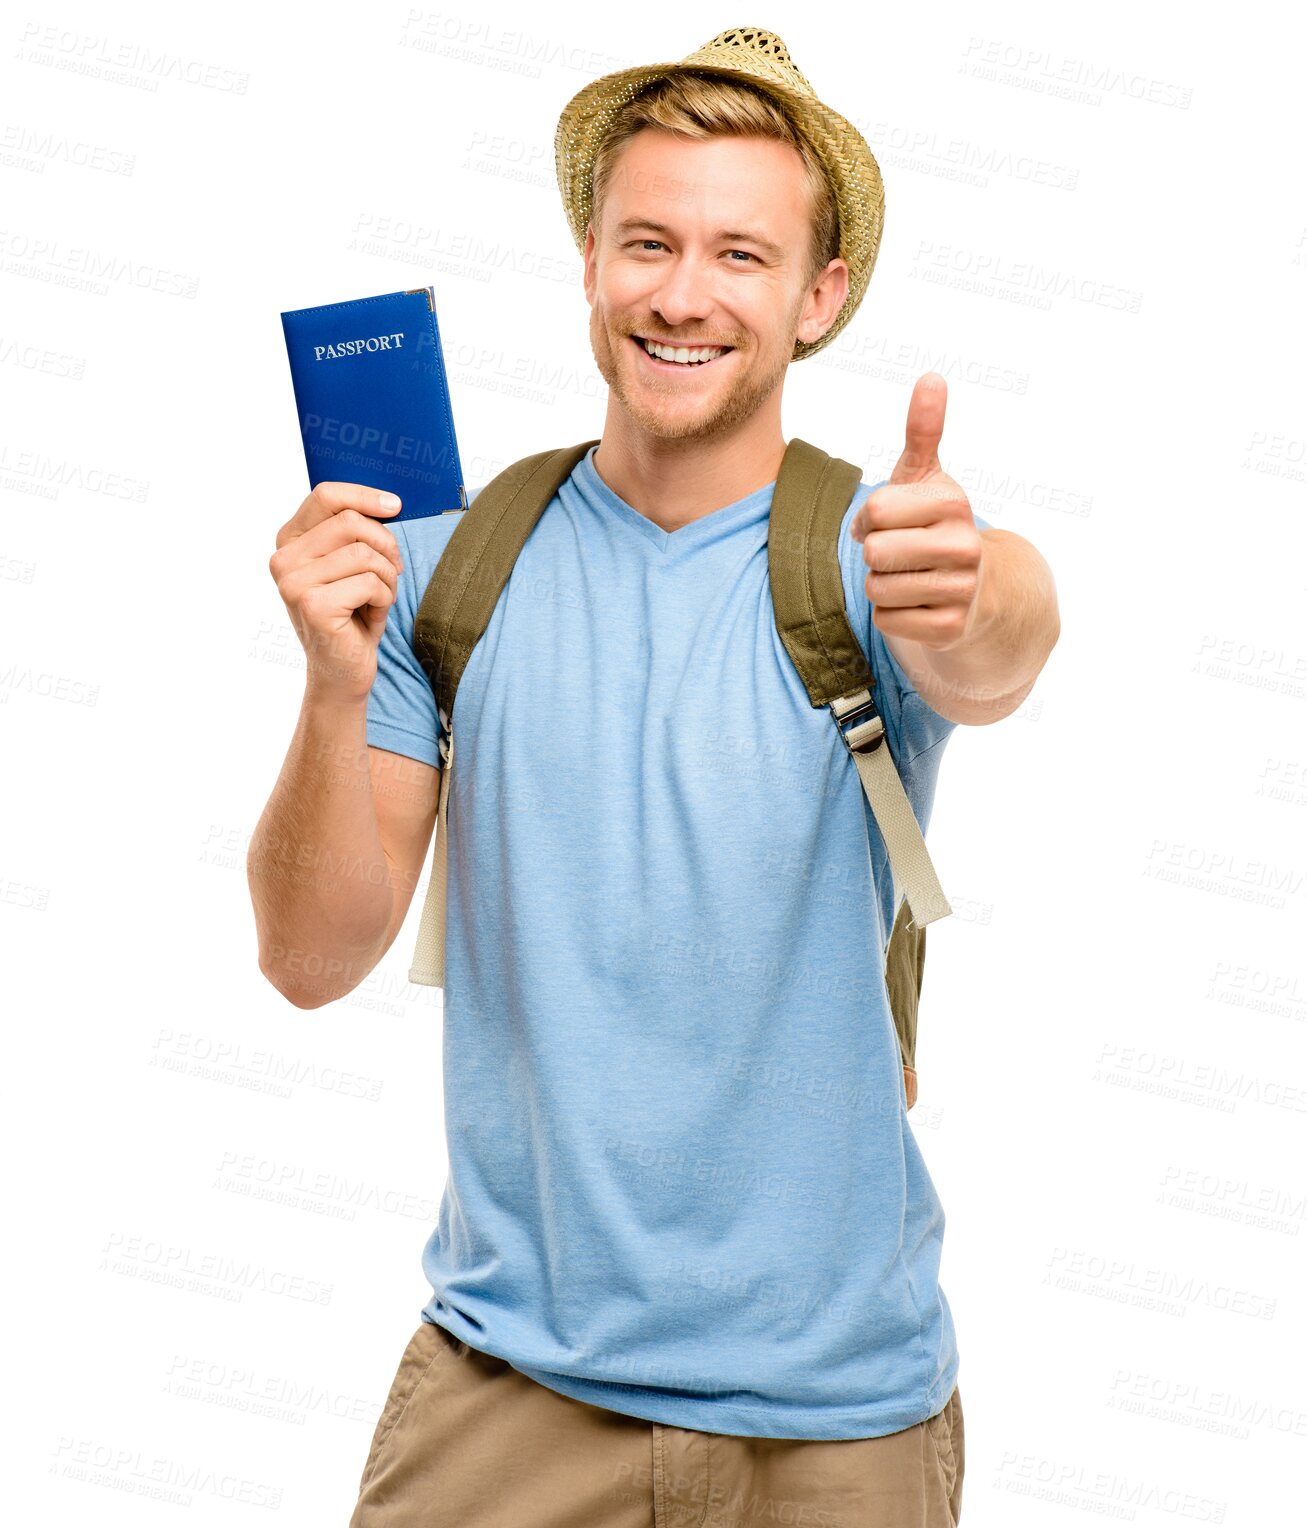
column 373, row 399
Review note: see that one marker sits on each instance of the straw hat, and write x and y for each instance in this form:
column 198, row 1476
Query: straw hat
column 759, row 57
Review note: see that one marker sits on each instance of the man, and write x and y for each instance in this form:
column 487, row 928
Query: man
column 686, row 1264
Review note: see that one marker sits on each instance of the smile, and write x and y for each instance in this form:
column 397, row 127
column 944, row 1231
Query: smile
column 690, row 350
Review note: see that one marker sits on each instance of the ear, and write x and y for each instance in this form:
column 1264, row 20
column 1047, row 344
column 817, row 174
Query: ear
column 825, row 299
column 588, row 257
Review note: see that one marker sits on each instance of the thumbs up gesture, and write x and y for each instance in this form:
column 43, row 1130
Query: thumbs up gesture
column 919, row 540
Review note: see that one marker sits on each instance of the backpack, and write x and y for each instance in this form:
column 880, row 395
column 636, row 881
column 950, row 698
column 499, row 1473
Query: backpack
column 812, row 493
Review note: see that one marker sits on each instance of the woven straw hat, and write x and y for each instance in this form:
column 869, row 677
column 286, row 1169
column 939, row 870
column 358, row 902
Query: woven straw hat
column 759, row 57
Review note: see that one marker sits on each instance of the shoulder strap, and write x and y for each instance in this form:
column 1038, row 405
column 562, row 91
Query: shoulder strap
column 477, row 562
column 813, row 491
column 454, row 611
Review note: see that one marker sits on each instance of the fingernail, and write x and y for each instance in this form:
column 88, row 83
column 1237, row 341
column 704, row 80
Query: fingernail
column 388, row 501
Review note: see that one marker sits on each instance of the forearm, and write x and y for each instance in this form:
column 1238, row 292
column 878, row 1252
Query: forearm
column 319, row 878
column 1014, row 626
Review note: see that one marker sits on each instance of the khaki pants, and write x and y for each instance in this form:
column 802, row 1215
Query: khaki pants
column 467, row 1441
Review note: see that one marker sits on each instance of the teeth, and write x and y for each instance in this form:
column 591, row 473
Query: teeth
column 682, row 354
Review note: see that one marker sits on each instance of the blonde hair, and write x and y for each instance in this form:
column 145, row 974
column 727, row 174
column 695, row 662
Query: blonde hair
column 706, row 106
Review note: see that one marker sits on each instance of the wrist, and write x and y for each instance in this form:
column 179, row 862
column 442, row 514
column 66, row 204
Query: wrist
column 322, row 699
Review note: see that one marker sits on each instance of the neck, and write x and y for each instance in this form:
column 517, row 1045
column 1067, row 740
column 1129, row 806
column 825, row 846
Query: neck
column 673, row 482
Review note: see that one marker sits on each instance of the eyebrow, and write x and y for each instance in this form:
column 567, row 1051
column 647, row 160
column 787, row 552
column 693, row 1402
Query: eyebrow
column 629, row 225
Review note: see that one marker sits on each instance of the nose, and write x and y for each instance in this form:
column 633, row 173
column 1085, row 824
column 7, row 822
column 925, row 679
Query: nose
column 684, row 295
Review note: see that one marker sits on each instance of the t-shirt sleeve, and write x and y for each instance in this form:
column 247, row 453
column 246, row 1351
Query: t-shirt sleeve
column 913, row 724
column 402, row 714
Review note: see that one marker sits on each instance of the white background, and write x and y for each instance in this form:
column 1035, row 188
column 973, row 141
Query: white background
column 1095, row 230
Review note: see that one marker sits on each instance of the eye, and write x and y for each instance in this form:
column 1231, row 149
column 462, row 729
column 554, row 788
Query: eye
column 743, row 252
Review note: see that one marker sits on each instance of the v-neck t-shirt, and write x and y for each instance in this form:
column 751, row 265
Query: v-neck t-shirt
column 682, row 1180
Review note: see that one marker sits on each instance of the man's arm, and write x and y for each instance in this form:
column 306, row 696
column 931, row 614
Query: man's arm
column 337, row 854
column 339, row 847
column 1012, row 628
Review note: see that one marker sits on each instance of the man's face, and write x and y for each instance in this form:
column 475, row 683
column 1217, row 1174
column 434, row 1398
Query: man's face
column 703, row 242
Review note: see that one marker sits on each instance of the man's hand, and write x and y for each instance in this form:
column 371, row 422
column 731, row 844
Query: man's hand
column 337, row 569
column 918, row 536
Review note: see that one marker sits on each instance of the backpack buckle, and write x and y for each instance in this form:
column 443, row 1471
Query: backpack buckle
column 858, row 721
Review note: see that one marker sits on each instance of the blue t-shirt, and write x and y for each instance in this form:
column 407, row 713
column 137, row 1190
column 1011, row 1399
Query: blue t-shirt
column 682, row 1182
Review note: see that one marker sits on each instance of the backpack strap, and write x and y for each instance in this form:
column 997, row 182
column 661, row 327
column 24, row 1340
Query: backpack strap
column 477, row 562
column 455, row 609
column 813, row 491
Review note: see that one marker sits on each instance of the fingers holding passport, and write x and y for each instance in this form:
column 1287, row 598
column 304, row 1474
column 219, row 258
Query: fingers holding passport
column 329, row 499
column 336, row 569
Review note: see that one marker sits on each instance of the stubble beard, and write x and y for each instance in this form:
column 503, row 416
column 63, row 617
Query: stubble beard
column 715, row 416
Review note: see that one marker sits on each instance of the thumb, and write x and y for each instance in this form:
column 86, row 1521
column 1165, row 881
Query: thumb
column 920, row 455
column 374, row 621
